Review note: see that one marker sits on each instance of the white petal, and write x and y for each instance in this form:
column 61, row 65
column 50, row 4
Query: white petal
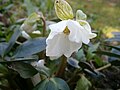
column 25, row 35
column 92, row 35
column 86, row 26
column 51, row 35
column 86, row 32
column 85, row 36
column 87, row 29
column 56, row 46
column 75, row 32
column 59, row 45
column 71, row 47
column 58, row 27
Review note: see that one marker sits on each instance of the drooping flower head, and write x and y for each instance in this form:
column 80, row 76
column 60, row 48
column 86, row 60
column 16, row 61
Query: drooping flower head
column 67, row 35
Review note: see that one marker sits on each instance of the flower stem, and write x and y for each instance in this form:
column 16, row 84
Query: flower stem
column 62, row 67
column 44, row 23
column 44, row 26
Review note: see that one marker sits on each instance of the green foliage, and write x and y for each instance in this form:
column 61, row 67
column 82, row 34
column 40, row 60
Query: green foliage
column 3, row 69
column 29, row 6
column 3, row 47
column 25, row 69
column 52, row 84
column 83, row 84
column 80, row 55
column 12, row 40
column 30, row 47
column 108, row 54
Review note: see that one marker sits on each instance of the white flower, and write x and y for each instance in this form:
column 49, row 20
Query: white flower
column 67, row 37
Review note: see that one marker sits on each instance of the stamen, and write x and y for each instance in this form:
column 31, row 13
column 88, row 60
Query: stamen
column 66, row 31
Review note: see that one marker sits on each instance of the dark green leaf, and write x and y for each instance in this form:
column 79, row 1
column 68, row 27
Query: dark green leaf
column 13, row 40
column 85, row 65
column 90, row 51
column 53, row 65
column 3, row 69
column 93, row 48
column 33, row 58
column 108, row 54
column 80, row 55
column 3, row 47
column 52, row 84
column 42, row 85
column 24, row 69
column 30, row 47
column 83, row 83
column 88, row 72
column 96, row 75
column 98, row 60
column 61, row 84
column 115, row 51
column 115, row 47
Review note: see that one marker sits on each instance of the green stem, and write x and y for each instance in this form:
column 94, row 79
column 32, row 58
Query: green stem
column 62, row 67
column 44, row 26
column 44, row 23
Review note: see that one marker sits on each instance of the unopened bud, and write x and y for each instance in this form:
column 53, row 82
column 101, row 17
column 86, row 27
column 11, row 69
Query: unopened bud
column 30, row 24
column 80, row 15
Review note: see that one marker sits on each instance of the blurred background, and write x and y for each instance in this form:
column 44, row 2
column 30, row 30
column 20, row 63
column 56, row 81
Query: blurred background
column 102, row 14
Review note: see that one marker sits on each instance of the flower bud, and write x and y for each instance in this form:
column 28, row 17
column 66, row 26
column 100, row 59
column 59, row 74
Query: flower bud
column 80, row 15
column 30, row 24
column 63, row 10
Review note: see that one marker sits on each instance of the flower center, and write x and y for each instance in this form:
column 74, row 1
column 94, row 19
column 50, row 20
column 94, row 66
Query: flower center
column 66, row 31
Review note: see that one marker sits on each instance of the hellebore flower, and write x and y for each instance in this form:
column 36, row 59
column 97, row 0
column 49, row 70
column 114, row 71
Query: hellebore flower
column 67, row 37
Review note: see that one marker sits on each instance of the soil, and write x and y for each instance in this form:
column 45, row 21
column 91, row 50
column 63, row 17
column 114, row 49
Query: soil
column 111, row 81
